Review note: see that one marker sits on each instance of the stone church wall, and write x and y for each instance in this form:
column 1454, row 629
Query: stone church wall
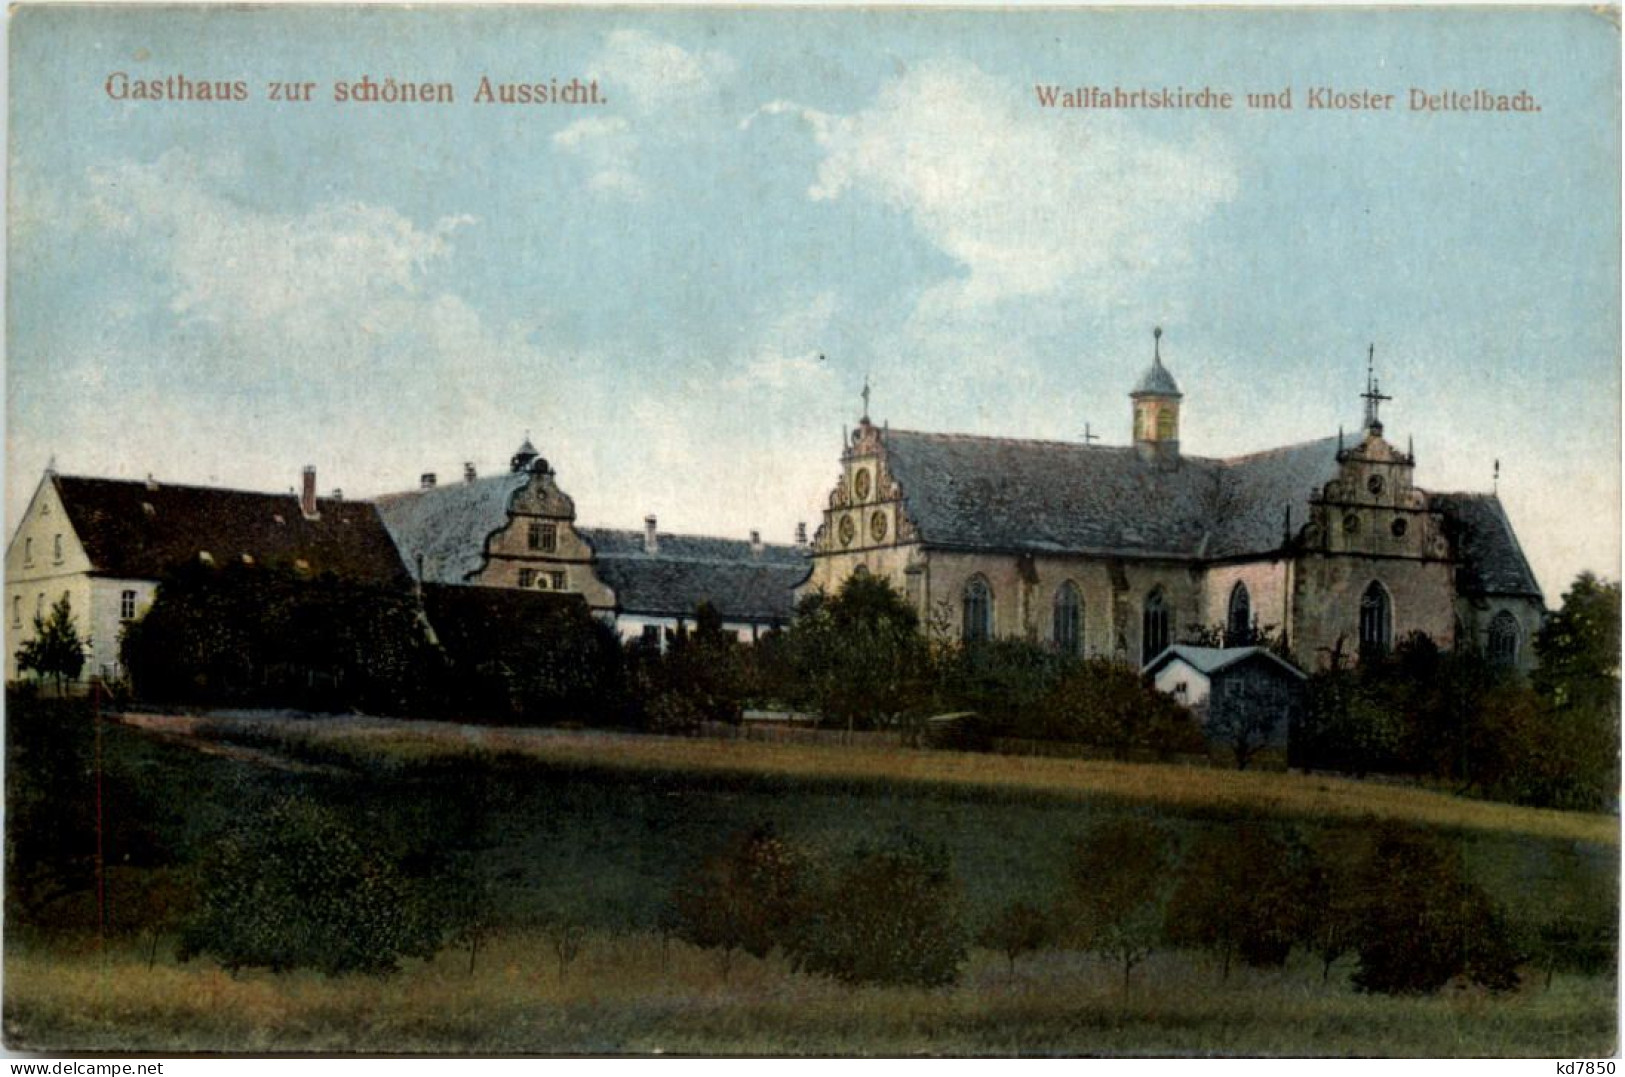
column 1326, row 603
column 1266, row 590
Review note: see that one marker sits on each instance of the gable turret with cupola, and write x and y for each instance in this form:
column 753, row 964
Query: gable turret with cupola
column 1114, row 550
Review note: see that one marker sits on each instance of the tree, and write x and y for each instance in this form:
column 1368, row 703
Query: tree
column 1020, row 928
column 1329, row 897
column 861, row 658
column 56, row 651
column 743, row 897
column 889, row 915
column 1421, row 921
column 1118, row 878
column 1237, row 895
column 1578, row 676
column 1106, row 703
column 295, row 888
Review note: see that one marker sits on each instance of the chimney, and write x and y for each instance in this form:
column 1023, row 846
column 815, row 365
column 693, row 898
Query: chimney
column 650, row 545
column 469, row 474
column 426, row 481
column 756, row 543
column 307, row 495
column 801, row 534
column 338, row 493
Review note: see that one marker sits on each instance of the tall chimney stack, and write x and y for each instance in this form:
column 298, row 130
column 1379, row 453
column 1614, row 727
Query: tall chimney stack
column 650, row 545
column 756, row 543
column 426, row 481
column 307, row 495
column 801, row 534
column 468, row 472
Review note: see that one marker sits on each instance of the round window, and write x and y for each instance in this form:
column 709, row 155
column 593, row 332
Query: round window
column 877, row 526
column 848, row 530
column 1351, row 524
column 1399, row 527
column 860, row 485
column 1374, row 484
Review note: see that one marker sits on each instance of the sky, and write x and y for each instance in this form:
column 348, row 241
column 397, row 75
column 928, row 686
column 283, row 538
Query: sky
column 679, row 293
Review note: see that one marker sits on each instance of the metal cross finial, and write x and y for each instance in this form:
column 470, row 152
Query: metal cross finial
column 1373, row 395
column 1495, row 486
column 1156, row 344
column 1089, row 435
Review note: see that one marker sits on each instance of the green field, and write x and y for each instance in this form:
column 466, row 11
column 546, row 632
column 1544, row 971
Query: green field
column 599, row 828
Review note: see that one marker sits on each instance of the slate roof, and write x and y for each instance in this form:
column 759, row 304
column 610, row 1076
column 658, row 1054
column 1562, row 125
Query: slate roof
column 1156, row 381
column 137, row 530
column 1211, row 660
column 686, row 570
column 1490, row 560
column 1059, row 497
column 448, row 525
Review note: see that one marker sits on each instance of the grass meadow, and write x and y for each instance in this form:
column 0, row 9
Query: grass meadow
column 599, row 828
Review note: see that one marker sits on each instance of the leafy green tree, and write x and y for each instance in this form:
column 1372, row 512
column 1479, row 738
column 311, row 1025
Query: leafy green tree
column 861, row 658
column 743, row 897
column 1110, row 705
column 1578, row 676
column 888, row 915
column 55, row 651
column 295, row 888
column 1118, row 890
column 1329, row 897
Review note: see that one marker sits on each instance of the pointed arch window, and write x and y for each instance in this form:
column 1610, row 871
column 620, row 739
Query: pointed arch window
column 1504, row 639
column 1376, row 619
column 1068, row 628
column 1238, row 624
column 977, row 623
column 1154, row 637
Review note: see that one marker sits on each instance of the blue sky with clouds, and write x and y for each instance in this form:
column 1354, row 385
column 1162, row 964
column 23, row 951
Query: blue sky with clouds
column 223, row 293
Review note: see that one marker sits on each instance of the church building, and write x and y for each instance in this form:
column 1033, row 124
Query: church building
column 1123, row 551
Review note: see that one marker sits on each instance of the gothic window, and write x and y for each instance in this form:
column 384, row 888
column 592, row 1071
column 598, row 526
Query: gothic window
column 1238, row 628
column 1504, row 639
column 1376, row 619
column 1153, row 627
column 978, row 610
column 860, row 570
column 1068, row 620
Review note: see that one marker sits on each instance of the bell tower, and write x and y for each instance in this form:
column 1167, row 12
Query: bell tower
column 1156, row 400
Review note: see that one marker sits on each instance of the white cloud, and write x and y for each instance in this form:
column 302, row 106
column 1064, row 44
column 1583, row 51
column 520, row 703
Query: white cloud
column 1030, row 202
column 656, row 74
column 651, row 84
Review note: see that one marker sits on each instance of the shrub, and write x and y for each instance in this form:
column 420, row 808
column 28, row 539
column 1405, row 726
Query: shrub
column 294, row 888
column 1112, row 706
column 889, row 915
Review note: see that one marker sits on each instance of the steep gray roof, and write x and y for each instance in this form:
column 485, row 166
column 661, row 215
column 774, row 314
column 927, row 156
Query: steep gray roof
column 1060, row 497
column 448, row 525
column 1490, row 561
column 1156, row 381
column 1210, row 660
column 686, row 570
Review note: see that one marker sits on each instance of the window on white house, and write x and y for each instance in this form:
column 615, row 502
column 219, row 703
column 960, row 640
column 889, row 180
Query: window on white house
column 126, row 605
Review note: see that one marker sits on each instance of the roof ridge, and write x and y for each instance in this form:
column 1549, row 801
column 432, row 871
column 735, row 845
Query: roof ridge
column 638, row 532
column 163, row 485
column 947, row 435
column 1275, row 451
